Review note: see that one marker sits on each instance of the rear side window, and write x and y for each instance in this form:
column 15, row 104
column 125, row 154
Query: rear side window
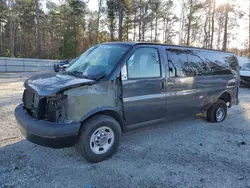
column 200, row 66
column 195, row 62
column 178, row 64
column 189, row 63
column 144, row 63
column 218, row 62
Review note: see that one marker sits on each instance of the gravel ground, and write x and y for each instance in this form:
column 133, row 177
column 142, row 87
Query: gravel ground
column 186, row 153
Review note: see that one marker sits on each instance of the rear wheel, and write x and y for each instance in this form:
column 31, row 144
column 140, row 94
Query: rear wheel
column 99, row 138
column 217, row 112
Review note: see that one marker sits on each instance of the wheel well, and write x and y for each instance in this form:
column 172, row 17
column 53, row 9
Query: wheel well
column 112, row 114
column 226, row 97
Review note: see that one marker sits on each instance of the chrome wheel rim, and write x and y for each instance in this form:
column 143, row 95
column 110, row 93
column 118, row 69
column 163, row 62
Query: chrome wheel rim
column 101, row 140
column 220, row 114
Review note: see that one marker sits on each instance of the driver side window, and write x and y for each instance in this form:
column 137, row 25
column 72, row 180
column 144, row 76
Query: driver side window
column 144, row 63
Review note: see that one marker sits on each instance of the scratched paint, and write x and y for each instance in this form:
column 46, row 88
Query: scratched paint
column 83, row 99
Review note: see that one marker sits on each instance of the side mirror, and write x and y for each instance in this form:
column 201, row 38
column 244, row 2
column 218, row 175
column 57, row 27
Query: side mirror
column 240, row 67
column 171, row 69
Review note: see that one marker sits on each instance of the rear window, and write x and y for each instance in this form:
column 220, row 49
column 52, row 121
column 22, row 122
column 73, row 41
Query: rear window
column 189, row 63
column 220, row 63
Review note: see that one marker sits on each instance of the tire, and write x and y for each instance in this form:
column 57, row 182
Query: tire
column 213, row 115
column 91, row 138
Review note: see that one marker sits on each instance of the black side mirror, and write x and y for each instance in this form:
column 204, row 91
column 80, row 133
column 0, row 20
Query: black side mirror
column 171, row 69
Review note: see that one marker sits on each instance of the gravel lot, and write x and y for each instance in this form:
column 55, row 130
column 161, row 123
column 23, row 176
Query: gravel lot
column 186, row 153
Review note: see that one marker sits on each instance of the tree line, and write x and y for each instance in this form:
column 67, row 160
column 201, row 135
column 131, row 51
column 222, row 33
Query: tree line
column 45, row 29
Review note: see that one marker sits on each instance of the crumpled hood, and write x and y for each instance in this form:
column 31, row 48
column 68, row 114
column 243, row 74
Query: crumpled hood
column 50, row 84
column 245, row 73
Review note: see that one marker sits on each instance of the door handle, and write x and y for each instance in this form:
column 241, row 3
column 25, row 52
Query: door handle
column 163, row 85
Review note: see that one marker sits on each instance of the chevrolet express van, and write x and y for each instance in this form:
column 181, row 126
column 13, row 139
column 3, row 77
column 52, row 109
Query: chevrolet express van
column 119, row 86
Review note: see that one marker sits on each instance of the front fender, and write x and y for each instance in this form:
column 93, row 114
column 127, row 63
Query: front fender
column 110, row 111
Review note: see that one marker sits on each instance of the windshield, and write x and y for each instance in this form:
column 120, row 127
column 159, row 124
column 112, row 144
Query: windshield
column 246, row 67
column 98, row 61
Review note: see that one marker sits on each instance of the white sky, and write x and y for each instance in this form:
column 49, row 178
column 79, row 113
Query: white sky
column 241, row 32
column 93, row 4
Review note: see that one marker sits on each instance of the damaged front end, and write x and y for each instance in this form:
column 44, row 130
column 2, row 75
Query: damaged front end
column 56, row 105
column 44, row 97
column 43, row 120
column 50, row 108
column 56, row 109
column 74, row 104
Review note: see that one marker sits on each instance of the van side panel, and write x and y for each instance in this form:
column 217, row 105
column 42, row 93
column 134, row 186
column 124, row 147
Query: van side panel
column 214, row 86
column 223, row 77
column 197, row 79
column 184, row 96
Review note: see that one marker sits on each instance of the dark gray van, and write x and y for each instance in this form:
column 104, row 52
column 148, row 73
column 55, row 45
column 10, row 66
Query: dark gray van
column 116, row 87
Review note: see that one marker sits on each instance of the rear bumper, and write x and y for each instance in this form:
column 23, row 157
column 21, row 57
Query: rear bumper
column 55, row 135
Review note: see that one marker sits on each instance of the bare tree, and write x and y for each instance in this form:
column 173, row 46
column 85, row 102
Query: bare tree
column 227, row 8
column 100, row 2
column 145, row 18
column 135, row 17
column 249, row 32
column 190, row 15
column 156, row 12
column 11, row 33
column 121, row 5
column 212, row 32
column 182, row 23
column 220, row 20
column 112, row 9
column 140, row 15
column 38, row 40
column 206, row 32
column 169, row 20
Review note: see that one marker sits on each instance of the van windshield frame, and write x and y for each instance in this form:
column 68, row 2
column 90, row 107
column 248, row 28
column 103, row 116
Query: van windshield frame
column 98, row 61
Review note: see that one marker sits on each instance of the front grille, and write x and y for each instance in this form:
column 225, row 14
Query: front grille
column 39, row 107
column 28, row 99
column 245, row 78
column 34, row 104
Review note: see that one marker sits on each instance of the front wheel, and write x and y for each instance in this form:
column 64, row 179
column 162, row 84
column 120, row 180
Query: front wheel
column 217, row 112
column 99, row 138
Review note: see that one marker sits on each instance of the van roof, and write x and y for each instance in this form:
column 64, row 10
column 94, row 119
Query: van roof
column 153, row 43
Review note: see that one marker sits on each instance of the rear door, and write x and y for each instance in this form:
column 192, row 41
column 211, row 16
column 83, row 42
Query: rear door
column 183, row 96
column 143, row 87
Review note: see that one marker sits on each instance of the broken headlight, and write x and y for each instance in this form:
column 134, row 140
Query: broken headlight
column 56, row 108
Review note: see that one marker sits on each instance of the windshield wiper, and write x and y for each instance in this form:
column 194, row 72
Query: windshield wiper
column 76, row 73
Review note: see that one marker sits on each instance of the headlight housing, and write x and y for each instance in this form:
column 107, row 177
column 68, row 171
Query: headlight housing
column 56, row 108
